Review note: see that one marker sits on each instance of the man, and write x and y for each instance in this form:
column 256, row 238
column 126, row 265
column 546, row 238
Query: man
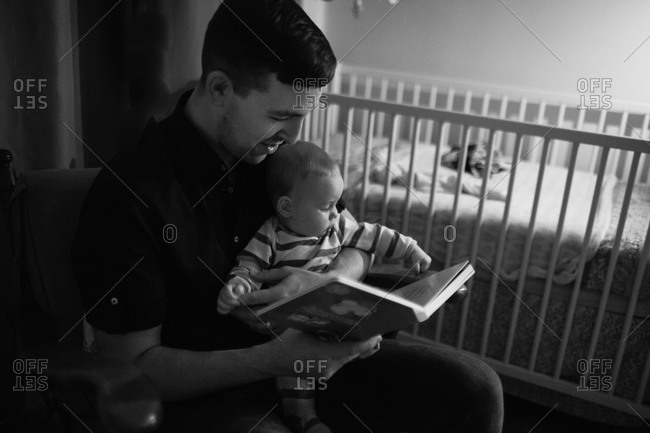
column 160, row 231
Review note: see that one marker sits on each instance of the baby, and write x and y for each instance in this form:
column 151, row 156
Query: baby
column 307, row 231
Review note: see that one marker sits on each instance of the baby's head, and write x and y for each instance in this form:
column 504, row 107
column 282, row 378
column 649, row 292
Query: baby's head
column 304, row 185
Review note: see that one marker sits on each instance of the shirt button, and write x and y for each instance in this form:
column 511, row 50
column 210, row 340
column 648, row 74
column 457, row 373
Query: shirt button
column 230, row 189
column 114, row 301
column 236, row 239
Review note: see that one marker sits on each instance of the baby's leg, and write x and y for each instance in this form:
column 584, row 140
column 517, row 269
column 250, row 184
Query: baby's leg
column 297, row 400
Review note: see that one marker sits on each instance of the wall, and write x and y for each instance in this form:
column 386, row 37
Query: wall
column 484, row 42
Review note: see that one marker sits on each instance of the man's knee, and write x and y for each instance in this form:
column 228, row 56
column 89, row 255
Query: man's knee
column 485, row 398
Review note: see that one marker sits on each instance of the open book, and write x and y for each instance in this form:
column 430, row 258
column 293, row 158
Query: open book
column 344, row 309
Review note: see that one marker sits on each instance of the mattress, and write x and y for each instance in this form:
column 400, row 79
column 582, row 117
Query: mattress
column 465, row 223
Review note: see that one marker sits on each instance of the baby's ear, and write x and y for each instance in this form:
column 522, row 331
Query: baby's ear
column 284, row 206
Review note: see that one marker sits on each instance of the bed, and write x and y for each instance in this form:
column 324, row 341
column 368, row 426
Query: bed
column 560, row 246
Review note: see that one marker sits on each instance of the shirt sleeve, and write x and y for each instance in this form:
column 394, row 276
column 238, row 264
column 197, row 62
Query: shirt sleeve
column 258, row 254
column 116, row 259
column 375, row 239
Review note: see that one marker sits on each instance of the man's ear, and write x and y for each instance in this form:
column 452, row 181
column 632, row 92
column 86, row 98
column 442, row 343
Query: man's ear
column 218, row 85
column 285, row 206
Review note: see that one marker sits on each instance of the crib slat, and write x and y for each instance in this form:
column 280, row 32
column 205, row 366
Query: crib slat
column 485, row 108
column 433, row 99
column 644, row 174
column 560, row 123
column 641, row 175
column 629, row 315
column 367, row 93
column 399, row 96
column 451, row 94
column 347, row 141
column 327, row 120
column 503, row 112
column 581, row 265
column 602, row 120
column 617, row 152
column 417, row 89
column 443, row 136
column 366, row 166
column 522, row 109
column 581, row 119
column 503, row 109
column 458, row 190
column 526, row 254
column 467, row 105
column 411, row 181
column 394, row 131
column 555, row 253
column 432, row 195
column 534, row 154
column 334, row 114
column 383, row 96
column 352, row 91
column 604, row 297
column 476, row 237
column 450, row 245
column 498, row 261
column 521, row 116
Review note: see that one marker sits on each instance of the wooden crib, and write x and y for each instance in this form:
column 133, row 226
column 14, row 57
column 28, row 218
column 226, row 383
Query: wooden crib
column 559, row 238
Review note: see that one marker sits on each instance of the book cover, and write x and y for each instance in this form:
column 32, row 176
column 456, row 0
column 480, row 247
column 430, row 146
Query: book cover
column 344, row 309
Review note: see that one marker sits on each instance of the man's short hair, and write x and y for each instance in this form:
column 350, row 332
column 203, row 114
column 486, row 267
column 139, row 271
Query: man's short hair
column 248, row 39
column 292, row 163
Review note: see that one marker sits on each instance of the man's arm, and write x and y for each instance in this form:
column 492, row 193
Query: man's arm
column 181, row 374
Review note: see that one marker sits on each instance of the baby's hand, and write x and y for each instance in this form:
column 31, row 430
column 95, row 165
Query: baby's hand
column 419, row 260
column 230, row 293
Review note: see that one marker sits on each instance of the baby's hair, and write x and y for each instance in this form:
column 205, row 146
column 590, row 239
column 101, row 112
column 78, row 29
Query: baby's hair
column 292, row 163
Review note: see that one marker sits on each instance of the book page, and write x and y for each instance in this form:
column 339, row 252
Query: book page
column 427, row 289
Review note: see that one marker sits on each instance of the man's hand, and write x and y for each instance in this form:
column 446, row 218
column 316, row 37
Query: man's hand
column 301, row 354
column 289, row 282
column 419, row 260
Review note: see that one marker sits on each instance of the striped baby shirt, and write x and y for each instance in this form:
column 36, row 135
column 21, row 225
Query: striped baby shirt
column 274, row 246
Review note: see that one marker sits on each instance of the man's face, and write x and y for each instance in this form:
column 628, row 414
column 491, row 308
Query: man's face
column 254, row 126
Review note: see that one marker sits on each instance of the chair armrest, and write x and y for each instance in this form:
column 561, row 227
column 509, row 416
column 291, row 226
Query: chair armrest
column 126, row 399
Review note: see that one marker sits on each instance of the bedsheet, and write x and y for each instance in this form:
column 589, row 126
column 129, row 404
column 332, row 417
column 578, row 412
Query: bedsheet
column 464, row 226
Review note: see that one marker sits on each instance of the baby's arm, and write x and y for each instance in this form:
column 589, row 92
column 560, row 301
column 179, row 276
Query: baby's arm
column 384, row 242
column 256, row 257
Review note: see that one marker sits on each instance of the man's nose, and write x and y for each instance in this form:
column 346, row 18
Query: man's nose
column 291, row 129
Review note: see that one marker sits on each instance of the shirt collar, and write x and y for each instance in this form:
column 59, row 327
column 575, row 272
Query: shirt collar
column 194, row 153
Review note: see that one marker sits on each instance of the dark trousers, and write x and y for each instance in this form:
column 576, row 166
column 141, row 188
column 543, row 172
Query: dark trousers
column 402, row 388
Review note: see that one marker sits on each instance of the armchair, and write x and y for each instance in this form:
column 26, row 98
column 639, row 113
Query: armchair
column 47, row 324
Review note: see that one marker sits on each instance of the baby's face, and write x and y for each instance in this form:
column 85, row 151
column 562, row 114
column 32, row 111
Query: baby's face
column 314, row 204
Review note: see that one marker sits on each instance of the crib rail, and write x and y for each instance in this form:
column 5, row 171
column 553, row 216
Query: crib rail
column 356, row 121
column 623, row 118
